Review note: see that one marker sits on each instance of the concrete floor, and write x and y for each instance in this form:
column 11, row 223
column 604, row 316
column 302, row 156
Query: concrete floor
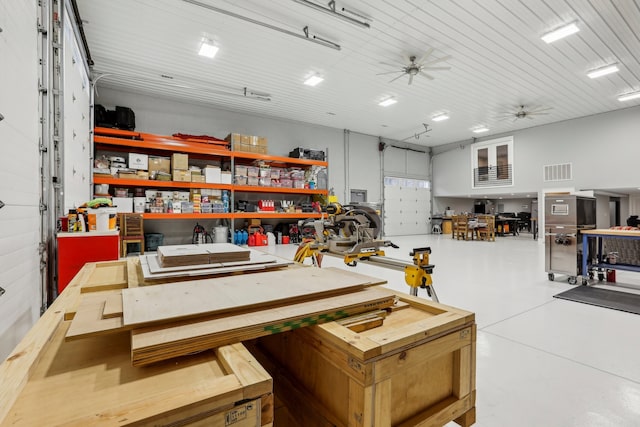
column 541, row 361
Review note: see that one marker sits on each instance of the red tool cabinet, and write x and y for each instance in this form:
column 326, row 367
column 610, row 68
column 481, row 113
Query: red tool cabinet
column 76, row 249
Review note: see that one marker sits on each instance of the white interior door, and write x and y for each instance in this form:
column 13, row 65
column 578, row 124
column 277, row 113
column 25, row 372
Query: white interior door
column 407, row 203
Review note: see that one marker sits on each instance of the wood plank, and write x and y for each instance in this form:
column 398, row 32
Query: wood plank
column 115, row 393
column 153, row 272
column 88, row 320
column 112, row 305
column 181, row 255
column 152, row 344
column 18, row 366
column 162, row 303
column 238, row 361
column 106, row 276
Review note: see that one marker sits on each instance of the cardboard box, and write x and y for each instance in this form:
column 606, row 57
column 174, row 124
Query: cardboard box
column 159, row 164
column 212, row 175
column 182, row 175
column 197, row 178
column 138, row 161
column 254, row 222
column 225, row 177
column 179, row 161
column 142, row 174
column 123, row 204
column 127, row 175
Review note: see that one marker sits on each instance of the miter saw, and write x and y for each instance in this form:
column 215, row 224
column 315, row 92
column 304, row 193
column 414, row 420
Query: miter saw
column 352, row 231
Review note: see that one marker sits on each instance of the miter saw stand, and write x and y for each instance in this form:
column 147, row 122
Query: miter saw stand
column 416, row 275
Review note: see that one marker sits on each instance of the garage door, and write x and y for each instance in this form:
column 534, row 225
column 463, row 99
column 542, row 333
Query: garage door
column 407, row 203
column 19, row 179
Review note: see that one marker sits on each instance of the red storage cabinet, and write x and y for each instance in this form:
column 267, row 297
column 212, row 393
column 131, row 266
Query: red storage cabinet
column 76, row 249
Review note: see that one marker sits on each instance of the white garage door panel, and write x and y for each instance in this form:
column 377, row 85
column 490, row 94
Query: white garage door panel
column 19, row 166
column 77, row 139
column 19, row 172
column 406, row 208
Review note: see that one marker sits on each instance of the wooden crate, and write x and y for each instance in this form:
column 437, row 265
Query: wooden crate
column 53, row 382
column 418, row 369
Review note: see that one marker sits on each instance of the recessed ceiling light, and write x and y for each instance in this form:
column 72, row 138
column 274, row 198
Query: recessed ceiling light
column 480, row 129
column 560, row 33
column 313, row 80
column 387, row 102
column 208, row 49
column 603, row 71
column 440, row 117
column 629, row 96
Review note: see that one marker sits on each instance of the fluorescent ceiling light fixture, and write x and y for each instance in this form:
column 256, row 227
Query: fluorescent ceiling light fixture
column 440, row 117
column 387, row 102
column 603, row 71
column 313, row 80
column 561, row 33
column 629, row 96
column 208, row 49
column 480, row 129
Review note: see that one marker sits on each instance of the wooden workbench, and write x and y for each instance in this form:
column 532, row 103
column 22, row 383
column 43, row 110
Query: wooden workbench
column 50, row 381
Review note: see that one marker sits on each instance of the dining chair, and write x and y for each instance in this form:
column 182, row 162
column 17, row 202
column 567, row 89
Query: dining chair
column 131, row 231
column 486, row 228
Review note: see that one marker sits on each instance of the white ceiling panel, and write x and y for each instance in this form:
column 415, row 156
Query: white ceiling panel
column 498, row 61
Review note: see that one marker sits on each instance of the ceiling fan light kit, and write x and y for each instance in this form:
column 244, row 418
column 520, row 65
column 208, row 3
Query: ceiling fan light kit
column 560, row 33
column 418, row 67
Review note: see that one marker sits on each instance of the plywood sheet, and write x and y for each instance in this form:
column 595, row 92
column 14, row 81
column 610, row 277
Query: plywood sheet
column 163, row 303
column 147, row 261
column 88, row 320
column 153, row 344
column 180, row 255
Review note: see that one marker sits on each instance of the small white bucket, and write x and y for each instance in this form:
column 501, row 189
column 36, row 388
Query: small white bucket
column 102, row 219
column 220, row 234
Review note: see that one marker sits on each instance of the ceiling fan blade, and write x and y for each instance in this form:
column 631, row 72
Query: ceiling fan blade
column 389, row 72
column 396, row 78
column 536, row 113
column 410, row 78
column 436, row 68
column 435, row 61
column 390, row 65
column 426, row 55
column 422, row 73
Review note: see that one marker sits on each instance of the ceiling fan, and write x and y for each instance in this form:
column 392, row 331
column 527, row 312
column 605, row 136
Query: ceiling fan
column 522, row 112
column 419, row 67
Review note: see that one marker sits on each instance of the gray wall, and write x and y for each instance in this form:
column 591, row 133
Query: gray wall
column 603, row 149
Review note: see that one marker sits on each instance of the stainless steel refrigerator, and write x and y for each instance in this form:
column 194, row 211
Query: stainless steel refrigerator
column 565, row 217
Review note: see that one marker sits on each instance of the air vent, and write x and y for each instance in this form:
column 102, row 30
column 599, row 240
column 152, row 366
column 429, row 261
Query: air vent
column 561, row 172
